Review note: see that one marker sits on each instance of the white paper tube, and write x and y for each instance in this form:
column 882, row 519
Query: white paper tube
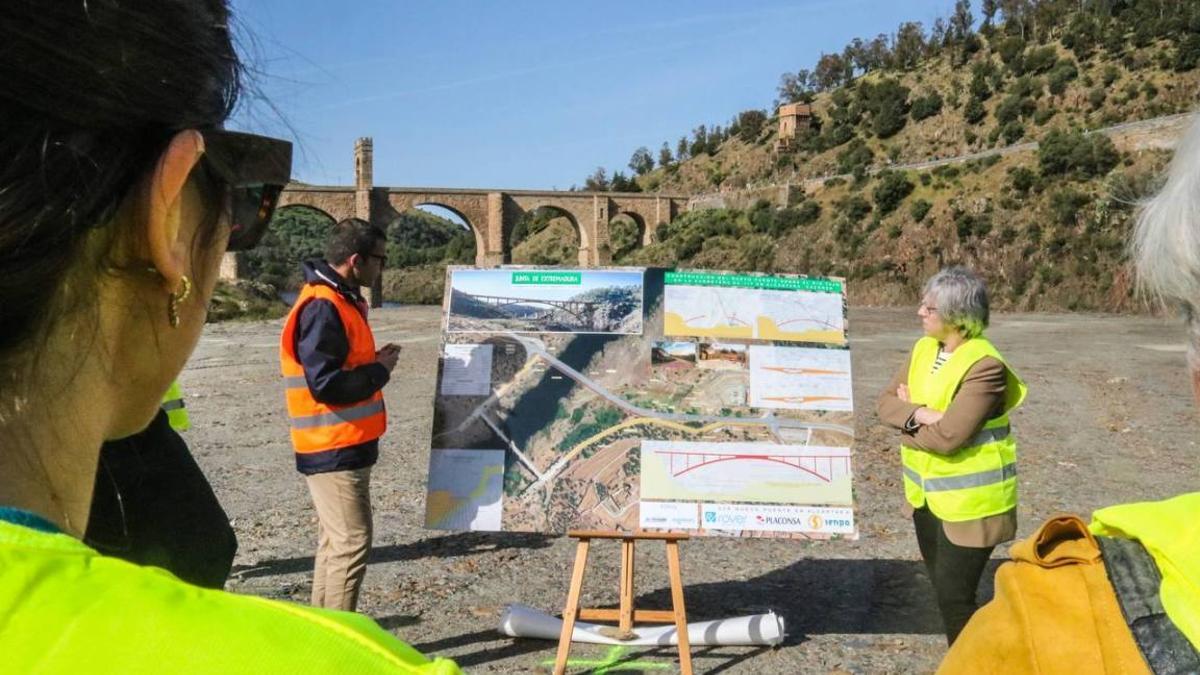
column 757, row 629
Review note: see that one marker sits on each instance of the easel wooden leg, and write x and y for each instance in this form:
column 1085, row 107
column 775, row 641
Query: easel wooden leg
column 626, row 619
column 625, row 615
column 677, row 606
column 571, row 611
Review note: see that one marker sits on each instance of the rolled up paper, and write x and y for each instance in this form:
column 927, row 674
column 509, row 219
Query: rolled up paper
column 757, row 629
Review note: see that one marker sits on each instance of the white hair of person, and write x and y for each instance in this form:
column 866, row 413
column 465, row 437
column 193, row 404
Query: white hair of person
column 961, row 299
column 1165, row 246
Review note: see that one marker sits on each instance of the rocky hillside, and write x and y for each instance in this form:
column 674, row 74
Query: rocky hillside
column 1046, row 223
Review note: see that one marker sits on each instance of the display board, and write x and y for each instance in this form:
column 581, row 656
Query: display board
column 643, row 399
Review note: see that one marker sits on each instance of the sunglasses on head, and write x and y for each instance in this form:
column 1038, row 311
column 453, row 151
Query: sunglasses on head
column 256, row 169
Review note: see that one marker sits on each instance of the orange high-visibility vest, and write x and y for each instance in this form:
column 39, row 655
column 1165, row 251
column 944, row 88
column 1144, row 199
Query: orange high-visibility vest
column 316, row 426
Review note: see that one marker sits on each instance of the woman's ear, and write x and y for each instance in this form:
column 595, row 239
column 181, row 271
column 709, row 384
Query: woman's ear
column 162, row 225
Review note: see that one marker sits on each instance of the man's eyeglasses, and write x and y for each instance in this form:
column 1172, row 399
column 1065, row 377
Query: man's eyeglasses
column 381, row 258
column 256, row 169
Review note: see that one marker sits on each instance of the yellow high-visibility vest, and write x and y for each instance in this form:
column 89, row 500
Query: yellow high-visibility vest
column 176, row 411
column 979, row 480
column 67, row 609
column 1169, row 530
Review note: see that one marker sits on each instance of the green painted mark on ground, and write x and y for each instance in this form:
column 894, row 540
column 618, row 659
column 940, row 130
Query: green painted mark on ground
column 612, row 663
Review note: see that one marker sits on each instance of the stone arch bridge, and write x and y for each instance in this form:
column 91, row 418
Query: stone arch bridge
column 491, row 214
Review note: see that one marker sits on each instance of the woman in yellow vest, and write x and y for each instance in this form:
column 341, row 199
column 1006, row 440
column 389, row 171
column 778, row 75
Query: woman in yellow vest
column 1123, row 594
column 120, row 191
column 957, row 450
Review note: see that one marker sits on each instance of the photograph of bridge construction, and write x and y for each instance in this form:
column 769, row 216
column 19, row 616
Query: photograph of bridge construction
column 544, row 301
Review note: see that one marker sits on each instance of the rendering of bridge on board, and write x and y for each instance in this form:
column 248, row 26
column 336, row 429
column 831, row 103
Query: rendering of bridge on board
column 577, row 308
column 490, row 214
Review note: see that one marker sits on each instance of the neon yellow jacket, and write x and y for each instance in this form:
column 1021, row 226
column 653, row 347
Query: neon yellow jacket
column 176, row 410
column 64, row 608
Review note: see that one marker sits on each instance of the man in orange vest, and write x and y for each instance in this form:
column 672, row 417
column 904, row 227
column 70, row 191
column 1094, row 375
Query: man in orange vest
column 333, row 377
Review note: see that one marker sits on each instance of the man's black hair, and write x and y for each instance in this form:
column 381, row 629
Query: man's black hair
column 352, row 235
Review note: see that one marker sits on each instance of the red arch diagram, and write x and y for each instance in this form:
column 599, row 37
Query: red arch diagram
column 682, row 462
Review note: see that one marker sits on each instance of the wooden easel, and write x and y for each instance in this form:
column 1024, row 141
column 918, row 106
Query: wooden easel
column 626, row 615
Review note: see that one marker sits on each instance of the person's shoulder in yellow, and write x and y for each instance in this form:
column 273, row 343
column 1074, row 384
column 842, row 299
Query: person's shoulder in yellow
column 64, row 608
column 1067, row 600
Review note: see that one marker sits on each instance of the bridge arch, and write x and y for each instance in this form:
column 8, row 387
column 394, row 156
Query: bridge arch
column 428, row 233
column 471, row 209
column 537, row 216
column 626, row 232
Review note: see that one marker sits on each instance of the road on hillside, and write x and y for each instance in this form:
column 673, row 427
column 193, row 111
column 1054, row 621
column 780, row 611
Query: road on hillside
column 1109, row 418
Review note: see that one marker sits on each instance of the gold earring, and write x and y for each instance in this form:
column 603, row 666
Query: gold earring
column 173, row 302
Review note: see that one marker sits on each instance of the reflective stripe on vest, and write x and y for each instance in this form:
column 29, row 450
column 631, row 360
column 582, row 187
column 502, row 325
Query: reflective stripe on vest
column 356, row 412
column 1170, row 532
column 979, row 479
column 967, row 480
column 177, row 413
column 316, row 426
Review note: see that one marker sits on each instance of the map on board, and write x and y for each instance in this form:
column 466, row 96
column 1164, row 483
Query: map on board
column 571, row 399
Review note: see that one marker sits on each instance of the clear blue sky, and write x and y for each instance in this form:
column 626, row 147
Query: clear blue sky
column 525, row 94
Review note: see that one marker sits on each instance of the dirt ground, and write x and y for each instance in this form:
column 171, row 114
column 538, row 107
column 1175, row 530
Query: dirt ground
column 1109, row 419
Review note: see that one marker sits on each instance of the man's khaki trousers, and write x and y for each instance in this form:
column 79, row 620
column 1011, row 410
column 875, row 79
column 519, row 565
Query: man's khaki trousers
column 343, row 502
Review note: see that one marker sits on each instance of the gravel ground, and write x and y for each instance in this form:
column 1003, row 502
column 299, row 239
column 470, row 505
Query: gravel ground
column 1109, row 419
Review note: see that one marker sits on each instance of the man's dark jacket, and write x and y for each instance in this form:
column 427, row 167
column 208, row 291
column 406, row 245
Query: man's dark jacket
column 322, row 348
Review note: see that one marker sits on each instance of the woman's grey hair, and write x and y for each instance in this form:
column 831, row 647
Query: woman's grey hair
column 1166, row 239
column 1165, row 246
column 961, row 299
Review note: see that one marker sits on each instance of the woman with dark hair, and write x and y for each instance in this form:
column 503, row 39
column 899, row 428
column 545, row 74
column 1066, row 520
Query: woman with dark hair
column 119, row 193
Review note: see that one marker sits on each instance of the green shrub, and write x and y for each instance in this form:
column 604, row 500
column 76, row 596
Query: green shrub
column 891, row 189
column 1012, row 132
column 1082, row 156
column 1062, row 74
column 1022, row 179
column 887, row 104
column 854, row 208
column 1010, row 50
column 1040, row 59
column 855, row 157
column 971, row 226
column 1066, row 204
column 974, row 111
column 926, row 106
column 919, row 209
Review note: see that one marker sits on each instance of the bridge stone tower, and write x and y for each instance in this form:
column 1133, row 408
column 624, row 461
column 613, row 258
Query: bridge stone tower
column 364, row 179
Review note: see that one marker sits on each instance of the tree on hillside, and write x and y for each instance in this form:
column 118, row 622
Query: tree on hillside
column 878, row 54
column 750, row 124
column 989, row 9
column 620, row 183
column 641, row 162
column 887, row 103
column 681, row 149
column 910, row 45
column 961, row 21
column 597, row 182
column 664, row 155
column 892, row 188
column 1016, row 15
column 699, row 144
column 937, row 37
column 831, row 71
column 796, row 87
